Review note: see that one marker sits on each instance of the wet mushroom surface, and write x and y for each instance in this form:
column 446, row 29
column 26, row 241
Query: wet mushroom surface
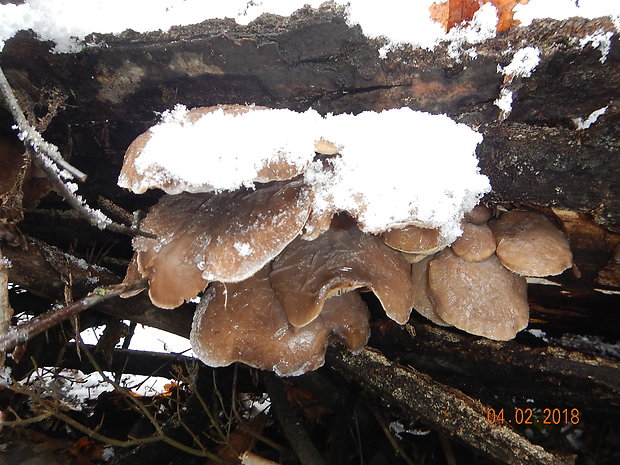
column 216, row 237
column 245, row 322
column 344, row 258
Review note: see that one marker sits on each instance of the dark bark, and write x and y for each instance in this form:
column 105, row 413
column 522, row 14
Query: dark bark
column 105, row 96
column 444, row 407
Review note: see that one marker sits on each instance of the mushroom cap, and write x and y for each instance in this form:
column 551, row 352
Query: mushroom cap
column 422, row 302
column 475, row 244
column 216, row 237
column 245, row 322
column 343, row 258
column 478, row 215
column 415, row 239
column 185, row 169
column 529, row 244
column 482, row 298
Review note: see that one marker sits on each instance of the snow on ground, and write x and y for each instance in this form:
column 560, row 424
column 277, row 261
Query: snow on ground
column 144, row 338
column 67, row 22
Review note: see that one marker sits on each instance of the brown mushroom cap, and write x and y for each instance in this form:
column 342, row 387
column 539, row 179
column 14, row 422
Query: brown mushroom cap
column 422, row 302
column 415, row 239
column 155, row 176
column 307, row 273
column 482, row 298
column 216, row 237
column 529, row 244
column 475, row 244
column 245, row 322
column 478, row 215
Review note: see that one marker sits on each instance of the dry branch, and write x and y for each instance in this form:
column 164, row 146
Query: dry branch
column 22, row 333
column 446, row 408
column 290, row 424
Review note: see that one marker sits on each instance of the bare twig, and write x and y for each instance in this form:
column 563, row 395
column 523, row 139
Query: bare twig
column 6, row 312
column 41, row 147
column 45, row 156
column 390, row 437
column 37, row 325
column 291, row 426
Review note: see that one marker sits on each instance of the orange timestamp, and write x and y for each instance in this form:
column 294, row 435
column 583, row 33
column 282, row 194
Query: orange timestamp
column 527, row 416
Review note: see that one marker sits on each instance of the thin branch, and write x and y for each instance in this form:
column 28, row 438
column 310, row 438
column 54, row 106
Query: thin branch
column 44, row 155
column 22, row 333
column 6, row 312
column 41, row 147
column 291, row 426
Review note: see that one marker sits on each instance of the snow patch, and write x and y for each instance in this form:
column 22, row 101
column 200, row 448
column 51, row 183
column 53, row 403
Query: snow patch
column 599, row 40
column 223, row 150
column 564, row 9
column 395, row 168
column 399, row 167
column 504, row 102
column 243, row 248
column 591, row 119
column 68, row 22
column 523, row 63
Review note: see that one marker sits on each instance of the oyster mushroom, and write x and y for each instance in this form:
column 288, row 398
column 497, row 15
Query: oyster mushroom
column 482, row 298
column 307, row 273
column 422, row 302
column 529, row 244
column 216, row 237
column 475, row 244
column 200, row 142
column 245, row 322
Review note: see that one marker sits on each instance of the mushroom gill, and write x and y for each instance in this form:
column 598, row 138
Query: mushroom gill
column 245, row 322
column 482, row 298
column 343, row 258
column 225, row 237
column 529, row 244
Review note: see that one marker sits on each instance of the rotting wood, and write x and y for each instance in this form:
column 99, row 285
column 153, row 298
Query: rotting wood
column 496, row 371
column 442, row 406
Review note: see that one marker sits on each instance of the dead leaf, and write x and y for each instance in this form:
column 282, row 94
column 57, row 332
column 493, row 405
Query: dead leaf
column 454, row 12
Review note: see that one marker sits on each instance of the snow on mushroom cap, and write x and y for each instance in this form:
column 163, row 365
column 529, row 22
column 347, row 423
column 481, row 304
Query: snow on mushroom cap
column 400, row 167
column 220, row 148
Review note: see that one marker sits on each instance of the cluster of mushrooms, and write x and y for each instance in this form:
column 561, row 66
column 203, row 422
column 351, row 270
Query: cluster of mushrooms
column 279, row 279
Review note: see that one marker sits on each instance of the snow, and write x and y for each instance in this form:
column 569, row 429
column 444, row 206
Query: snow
column 5, row 376
column 68, row 22
column 504, row 102
column 523, row 63
column 399, row 167
column 600, row 40
column 144, row 338
column 223, row 150
column 564, row 9
column 591, row 119
column 396, row 167
column 243, row 248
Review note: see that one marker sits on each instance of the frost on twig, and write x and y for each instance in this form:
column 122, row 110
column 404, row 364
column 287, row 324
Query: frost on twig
column 47, row 158
column 28, row 134
column 22, row 333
